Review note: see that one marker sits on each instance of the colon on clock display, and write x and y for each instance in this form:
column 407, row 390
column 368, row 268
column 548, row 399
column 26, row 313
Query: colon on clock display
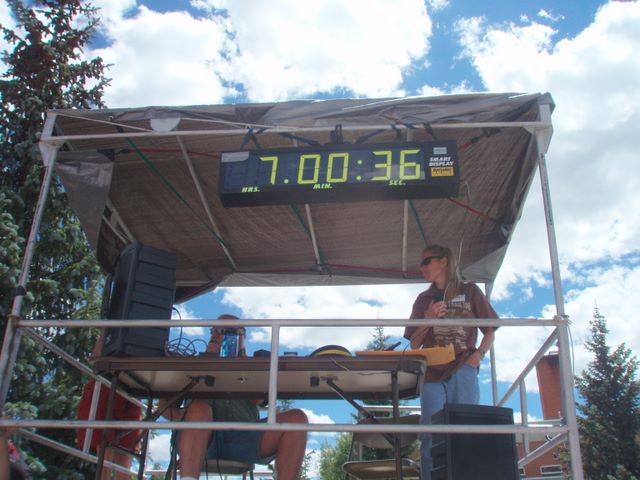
column 343, row 173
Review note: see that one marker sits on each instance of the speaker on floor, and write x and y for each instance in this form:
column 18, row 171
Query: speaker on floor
column 463, row 456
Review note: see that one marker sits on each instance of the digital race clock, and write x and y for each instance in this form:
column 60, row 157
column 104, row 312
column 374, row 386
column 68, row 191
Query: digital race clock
column 342, row 173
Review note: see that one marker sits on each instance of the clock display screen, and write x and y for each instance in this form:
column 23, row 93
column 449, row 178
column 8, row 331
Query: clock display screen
column 340, row 173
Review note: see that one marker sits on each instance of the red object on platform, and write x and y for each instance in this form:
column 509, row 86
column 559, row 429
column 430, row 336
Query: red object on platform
column 123, row 409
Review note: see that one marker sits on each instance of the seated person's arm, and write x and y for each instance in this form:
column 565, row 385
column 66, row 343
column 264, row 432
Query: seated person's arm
column 418, row 336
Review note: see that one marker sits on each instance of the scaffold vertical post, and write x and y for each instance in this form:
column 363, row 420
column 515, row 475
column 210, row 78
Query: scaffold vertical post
column 488, row 289
column 273, row 374
column 566, row 372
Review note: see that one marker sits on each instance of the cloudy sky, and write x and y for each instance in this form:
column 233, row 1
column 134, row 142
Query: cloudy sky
column 584, row 53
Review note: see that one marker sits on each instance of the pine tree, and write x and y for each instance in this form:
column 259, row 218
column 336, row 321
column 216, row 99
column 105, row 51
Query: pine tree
column 333, row 456
column 609, row 414
column 45, row 69
column 379, row 340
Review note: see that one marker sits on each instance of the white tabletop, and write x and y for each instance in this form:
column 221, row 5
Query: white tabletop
column 298, row 377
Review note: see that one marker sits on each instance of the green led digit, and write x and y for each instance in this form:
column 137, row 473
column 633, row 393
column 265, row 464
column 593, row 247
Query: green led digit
column 274, row 167
column 404, row 165
column 386, row 165
column 316, row 167
column 345, row 168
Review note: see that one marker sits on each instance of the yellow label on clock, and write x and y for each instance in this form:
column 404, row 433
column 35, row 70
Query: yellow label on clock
column 442, row 171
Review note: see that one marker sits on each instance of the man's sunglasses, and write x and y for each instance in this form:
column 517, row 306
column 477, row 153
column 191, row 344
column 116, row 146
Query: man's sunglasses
column 427, row 260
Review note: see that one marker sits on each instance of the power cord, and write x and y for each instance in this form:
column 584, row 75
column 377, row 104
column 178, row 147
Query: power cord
column 182, row 346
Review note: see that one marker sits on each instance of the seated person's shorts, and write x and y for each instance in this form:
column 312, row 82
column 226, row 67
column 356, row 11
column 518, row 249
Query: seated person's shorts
column 238, row 445
column 123, row 409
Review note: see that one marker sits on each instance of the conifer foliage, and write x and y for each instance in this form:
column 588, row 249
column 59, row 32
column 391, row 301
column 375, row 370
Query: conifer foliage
column 609, row 411
column 44, row 67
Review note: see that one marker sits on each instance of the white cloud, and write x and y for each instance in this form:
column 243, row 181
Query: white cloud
column 185, row 313
column 112, row 11
column 296, row 50
column 317, row 417
column 542, row 13
column 164, row 59
column 387, row 301
column 517, row 418
column 316, row 439
column 505, row 53
column 437, row 5
column 273, row 51
column 514, row 348
column 429, row 91
column 160, row 448
column 293, row 49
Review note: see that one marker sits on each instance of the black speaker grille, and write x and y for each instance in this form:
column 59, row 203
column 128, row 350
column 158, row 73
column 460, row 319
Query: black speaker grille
column 474, row 456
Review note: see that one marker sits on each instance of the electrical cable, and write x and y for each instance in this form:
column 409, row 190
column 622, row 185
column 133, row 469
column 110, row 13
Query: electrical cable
column 418, row 223
column 182, row 346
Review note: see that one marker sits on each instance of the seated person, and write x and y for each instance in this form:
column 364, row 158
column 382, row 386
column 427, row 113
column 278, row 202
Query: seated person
column 123, row 409
column 288, row 448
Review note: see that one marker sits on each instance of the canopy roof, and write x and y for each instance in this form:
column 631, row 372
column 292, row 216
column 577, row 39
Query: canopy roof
column 151, row 174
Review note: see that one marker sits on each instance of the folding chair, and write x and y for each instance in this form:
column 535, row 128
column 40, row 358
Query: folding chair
column 213, row 467
column 382, row 469
column 217, row 467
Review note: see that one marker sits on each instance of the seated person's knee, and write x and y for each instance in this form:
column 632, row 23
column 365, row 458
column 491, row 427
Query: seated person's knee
column 296, row 416
column 198, row 411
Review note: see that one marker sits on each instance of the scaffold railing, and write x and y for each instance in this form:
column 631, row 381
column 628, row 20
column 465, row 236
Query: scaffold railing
column 557, row 432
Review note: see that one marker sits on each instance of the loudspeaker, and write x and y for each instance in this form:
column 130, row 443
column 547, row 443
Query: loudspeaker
column 142, row 288
column 464, row 456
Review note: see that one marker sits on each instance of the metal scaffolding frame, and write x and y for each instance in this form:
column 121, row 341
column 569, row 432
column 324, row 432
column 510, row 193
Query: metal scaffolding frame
column 566, row 431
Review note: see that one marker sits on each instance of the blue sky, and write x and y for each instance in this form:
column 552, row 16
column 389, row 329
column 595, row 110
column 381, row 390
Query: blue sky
column 584, row 53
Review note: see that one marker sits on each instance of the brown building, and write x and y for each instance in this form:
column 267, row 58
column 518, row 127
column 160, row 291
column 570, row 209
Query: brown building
column 546, row 466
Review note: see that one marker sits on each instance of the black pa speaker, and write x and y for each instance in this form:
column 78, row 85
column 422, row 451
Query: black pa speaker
column 142, row 288
column 463, row 456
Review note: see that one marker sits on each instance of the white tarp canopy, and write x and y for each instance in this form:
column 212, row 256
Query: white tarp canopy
column 152, row 175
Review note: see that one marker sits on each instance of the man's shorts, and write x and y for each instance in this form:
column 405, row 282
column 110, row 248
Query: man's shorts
column 122, row 410
column 238, row 445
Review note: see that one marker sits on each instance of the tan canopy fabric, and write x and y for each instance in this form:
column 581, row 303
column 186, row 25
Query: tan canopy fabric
column 151, row 174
